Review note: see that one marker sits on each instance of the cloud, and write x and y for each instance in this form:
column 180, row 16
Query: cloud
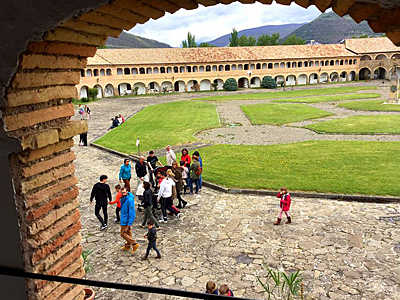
column 208, row 23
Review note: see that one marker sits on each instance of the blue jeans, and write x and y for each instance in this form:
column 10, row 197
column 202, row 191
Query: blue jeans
column 196, row 182
column 152, row 245
column 201, row 181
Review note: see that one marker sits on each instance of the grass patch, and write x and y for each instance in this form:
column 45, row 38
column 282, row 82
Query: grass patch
column 159, row 125
column 375, row 105
column 331, row 98
column 289, row 94
column 349, row 167
column 278, row 114
column 76, row 102
column 359, row 125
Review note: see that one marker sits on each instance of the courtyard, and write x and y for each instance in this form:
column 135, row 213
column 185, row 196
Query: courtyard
column 344, row 250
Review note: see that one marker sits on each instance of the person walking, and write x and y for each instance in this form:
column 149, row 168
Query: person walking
column 284, row 205
column 177, row 170
column 151, row 237
column 81, row 112
column 87, row 111
column 194, row 176
column 125, row 174
column 201, row 165
column 141, row 173
column 148, row 205
column 170, row 156
column 127, row 218
column 165, row 194
column 101, row 192
column 118, row 202
column 152, row 162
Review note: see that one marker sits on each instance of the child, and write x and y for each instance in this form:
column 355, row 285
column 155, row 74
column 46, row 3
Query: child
column 185, row 172
column 211, row 288
column 285, row 205
column 152, row 237
column 225, row 291
column 118, row 201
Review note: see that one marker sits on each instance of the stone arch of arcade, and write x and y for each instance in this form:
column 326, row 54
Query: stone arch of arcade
column 40, row 69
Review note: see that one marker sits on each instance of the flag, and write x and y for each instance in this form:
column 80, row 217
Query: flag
column 137, row 142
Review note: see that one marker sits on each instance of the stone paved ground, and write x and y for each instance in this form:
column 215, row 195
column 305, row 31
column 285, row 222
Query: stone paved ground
column 345, row 250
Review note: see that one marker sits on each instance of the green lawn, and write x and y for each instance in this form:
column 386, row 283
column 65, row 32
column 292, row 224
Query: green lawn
column 289, row 94
column 375, row 105
column 162, row 124
column 278, row 114
column 330, row 98
column 359, row 125
column 356, row 167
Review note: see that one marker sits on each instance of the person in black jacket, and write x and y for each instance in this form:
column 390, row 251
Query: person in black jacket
column 101, row 192
column 148, row 205
column 152, row 237
column 141, row 172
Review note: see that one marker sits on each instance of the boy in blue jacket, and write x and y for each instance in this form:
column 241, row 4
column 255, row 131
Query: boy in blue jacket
column 125, row 174
column 127, row 218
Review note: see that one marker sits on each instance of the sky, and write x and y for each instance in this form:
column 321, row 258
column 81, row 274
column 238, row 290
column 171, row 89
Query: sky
column 208, row 23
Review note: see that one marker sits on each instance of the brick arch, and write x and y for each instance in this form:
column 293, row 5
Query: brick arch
column 39, row 72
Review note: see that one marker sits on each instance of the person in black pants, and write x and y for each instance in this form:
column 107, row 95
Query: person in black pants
column 101, row 192
column 152, row 238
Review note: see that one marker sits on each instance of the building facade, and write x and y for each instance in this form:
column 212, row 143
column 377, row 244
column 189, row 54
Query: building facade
column 141, row 71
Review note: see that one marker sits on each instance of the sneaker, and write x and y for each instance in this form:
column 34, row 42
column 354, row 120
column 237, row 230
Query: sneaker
column 178, row 216
column 134, row 248
column 123, row 248
column 158, row 256
column 143, row 258
column 116, row 221
column 158, row 228
column 165, row 220
column 104, row 226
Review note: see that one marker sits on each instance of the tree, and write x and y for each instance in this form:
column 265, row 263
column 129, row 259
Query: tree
column 204, row 45
column 294, row 40
column 190, row 42
column 268, row 83
column 92, row 93
column 230, row 85
column 247, row 41
column 266, row 40
column 234, row 39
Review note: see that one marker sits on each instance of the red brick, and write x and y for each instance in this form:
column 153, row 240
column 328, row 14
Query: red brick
column 52, row 217
column 75, row 293
column 188, row 4
column 394, row 36
column 46, row 235
column 80, row 25
column 21, row 120
column 67, row 35
column 39, row 140
column 72, row 129
column 40, row 95
column 36, row 213
column 165, row 5
column 386, row 21
column 40, row 61
column 46, row 178
column 302, row 3
column 107, row 20
column 30, row 155
column 342, row 7
column 361, row 12
column 135, row 6
column 323, row 5
column 48, row 164
column 284, row 2
column 37, row 79
column 48, row 47
column 47, row 249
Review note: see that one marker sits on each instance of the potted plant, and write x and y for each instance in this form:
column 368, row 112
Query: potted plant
column 87, row 266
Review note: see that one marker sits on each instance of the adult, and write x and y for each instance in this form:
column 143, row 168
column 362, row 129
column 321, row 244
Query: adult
column 121, row 119
column 114, row 123
column 148, row 205
column 83, row 139
column 201, row 165
column 193, row 176
column 185, row 157
column 152, row 162
column 170, row 155
column 165, row 194
column 81, row 112
column 87, row 111
column 101, row 192
column 125, row 174
column 177, row 170
column 141, row 173
column 127, row 218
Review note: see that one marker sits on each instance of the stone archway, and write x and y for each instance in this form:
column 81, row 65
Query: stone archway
column 364, row 74
column 41, row 66
column 380, row 73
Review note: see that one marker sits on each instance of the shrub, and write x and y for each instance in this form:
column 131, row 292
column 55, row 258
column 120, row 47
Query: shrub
column 92, row 94
column 230, row 85
column 268, row 83
column 214, row 86
column 136, row 90
column 84, row 99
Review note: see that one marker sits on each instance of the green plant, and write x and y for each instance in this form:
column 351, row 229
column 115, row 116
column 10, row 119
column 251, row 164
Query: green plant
column 230, row 85
column 136, row 90
column 84, row 99
column 278, row 285
column 268, row 83
column 92, row 94
column 86, row 263
column 214, row 86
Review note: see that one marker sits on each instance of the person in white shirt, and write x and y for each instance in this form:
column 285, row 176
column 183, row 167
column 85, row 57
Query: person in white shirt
column 164, row 196
column 170, row 155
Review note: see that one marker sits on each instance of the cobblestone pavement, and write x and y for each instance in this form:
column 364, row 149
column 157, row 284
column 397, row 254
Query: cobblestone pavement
column 344, row 250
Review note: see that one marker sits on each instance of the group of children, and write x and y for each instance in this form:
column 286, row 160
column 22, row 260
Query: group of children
column 84, row 112
column 211, row 288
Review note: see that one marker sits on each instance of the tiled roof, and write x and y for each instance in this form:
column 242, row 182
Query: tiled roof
column 371, row 45
column 215, row 54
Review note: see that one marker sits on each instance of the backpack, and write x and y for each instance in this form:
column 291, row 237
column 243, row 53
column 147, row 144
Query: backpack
column 199, row 170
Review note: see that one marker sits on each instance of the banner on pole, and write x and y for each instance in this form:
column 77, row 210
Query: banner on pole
column 137, row 142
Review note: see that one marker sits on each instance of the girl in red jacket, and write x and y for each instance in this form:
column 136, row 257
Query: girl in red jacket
column 118, row 201
column 284, row 205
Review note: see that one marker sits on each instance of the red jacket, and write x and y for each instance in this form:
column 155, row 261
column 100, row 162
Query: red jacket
column 117, row 199
column 285, row 201
column 187, row 159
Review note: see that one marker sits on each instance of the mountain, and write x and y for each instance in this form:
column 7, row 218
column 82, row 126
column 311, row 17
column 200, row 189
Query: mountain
column 329, row 28
column 283, row 31
column 127, row 40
